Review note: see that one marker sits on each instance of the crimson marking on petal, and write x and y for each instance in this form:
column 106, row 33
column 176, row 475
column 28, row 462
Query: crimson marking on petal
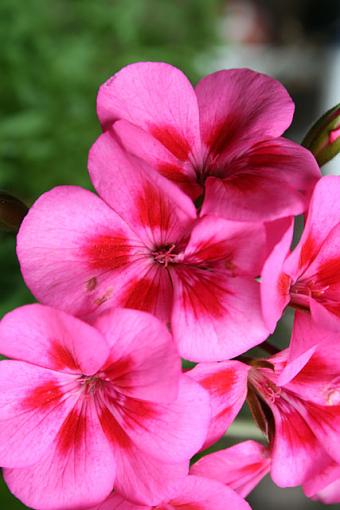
column 308, row 251
column 118, row 368
column 113, row 431
column 213, row 251
column 185, row 506
column 219, row 383
column 328, row 272
column 153, row 208
column 107, row 251
column 44, row 396
column 294, row 428
column 61, row 357
column 141, row 295
column 220, row 136
column 283, row 284
column 72, row 432
column 172, row 140
column 245, row 182
column 315, row 367
column 203, row 294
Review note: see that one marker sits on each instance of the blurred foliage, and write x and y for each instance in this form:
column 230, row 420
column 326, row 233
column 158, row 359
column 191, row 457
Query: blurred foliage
column 54, row 55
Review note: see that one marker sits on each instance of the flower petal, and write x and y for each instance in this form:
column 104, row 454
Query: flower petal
column 33, row 404
column 143, row 144
column 52, row 339
column 156, row 97
column 171, row 432
column 227, row 244
column 297, row 454
column 226, row 383
column 241, row 466
column 78, row 472
column 153, row 207
column 239, row 107
column 198, row 493
column 143, row 362
column 215, row 316
column 322, row 217
column 325, row 486
column 275, row 284
column 74, row 251
column 274, row 179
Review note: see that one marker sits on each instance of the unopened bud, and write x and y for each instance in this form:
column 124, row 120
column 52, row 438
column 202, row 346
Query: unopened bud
column 323, row 139
column 12, row 211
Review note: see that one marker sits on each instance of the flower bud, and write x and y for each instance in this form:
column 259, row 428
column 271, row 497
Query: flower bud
column 12, row 211
column 323, row 139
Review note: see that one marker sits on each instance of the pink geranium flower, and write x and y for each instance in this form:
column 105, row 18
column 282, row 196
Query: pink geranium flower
column 192, row 493
column 308, row 278
column 146, row 250
column 221, row 139
column 85, row 409
column 241, row 467
column 296, row 403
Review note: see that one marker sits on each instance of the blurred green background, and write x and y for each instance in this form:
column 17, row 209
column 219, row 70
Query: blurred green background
column 54, row 54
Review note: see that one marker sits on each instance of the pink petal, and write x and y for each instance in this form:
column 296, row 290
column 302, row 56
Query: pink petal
column 144, row 362
column 239, row 107
column 325, row 486
column 241, row 466
column 313, row 359
column 33, row 405
column 275, row 284
column 52, row 339
column 78, row 472
column 143, row 144
column 140, row 477
column 297, row 453
column 198, row 493
column 152, row 206
column 325, row 423
column 226, row 243
column 74, row 251
column 226, row 383
column 171, row 432
column 215, row 316
column 117, row 502
column 322, row 217
column 156, row 97
column 274, row 179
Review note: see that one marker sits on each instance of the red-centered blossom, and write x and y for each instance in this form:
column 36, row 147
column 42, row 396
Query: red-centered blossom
column 221, row 139
column 302, row 416
column 308, row 278
column 85, row 409
column 192, row 493
column 296, row 404
column 145, row 249
column 241, row 467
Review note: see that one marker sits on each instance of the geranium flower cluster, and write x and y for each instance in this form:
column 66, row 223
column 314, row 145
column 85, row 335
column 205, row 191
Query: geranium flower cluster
column 185, row 251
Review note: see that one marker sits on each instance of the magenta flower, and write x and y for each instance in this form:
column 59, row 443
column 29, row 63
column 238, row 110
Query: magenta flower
column 192, row 493
column 221, row 139
column 146, row 250
column 302, row 416
column 241, row 467
column 296, row 404
column 308, row 278
column 85, row 410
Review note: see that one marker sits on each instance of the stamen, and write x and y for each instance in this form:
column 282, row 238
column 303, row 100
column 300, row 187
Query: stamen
column 164, row 254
